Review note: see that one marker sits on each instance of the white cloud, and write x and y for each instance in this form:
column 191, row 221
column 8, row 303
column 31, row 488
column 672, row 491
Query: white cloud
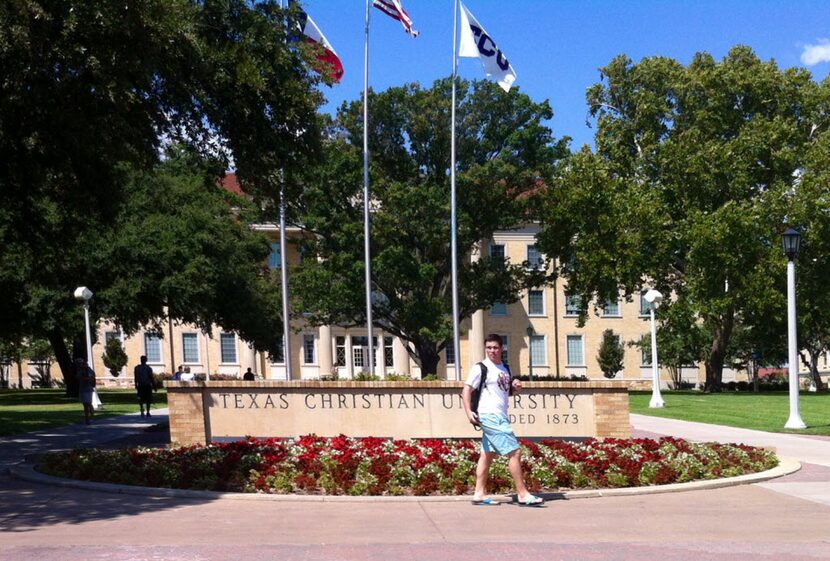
column 814, row 54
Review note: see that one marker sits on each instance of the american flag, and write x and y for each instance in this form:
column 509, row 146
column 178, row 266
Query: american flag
column 393, row 9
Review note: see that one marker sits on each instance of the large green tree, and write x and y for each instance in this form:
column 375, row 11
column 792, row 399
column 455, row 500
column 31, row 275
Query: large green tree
column 682, row 189
column 182, row 247
column 90, row 93
column 809, row 208
column 504, row 147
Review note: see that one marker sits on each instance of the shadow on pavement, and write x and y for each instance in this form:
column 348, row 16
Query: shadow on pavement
column 26, row 506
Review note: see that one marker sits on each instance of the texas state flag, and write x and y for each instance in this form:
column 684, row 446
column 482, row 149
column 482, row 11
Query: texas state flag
column 328, row 62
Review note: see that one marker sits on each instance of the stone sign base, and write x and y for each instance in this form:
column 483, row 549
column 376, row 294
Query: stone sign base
column 203, row 411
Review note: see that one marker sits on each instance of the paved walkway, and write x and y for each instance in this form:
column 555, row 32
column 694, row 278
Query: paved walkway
column 783, row 519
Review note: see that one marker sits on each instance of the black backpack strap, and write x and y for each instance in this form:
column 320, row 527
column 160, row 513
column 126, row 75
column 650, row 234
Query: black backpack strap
column 483, row 379
column 510, row 391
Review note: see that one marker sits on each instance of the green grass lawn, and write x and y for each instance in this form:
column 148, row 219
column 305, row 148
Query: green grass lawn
column 759, row 411
column 28, row 410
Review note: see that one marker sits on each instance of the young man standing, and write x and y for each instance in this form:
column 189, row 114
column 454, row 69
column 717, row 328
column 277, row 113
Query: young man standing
column 143, row 375
column 497, row 434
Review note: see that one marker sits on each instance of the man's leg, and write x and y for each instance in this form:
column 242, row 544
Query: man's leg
column 514, row 464
column 483, row 474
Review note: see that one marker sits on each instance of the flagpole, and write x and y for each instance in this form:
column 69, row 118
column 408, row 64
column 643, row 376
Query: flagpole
column 286, row 322
column 454, row 217
column 366, row 218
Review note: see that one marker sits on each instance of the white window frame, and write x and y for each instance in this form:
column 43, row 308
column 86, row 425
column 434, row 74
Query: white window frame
column 568, row 339
column 541, row 339
column 184, row 347
column 225, row 336
column 618, row 314
column 544, row 311
column 503, row 256
column 536, row 262
column 388, row 351
column 576, row 299
column 152, row 336
column 340, row 345
column 306, row 338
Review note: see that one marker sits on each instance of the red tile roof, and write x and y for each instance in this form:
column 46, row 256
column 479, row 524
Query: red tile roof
column 231, row 184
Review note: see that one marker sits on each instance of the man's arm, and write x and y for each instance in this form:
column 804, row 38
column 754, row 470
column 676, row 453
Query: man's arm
column 466, row 399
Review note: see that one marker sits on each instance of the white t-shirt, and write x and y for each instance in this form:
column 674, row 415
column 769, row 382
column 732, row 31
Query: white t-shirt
column 496, row 389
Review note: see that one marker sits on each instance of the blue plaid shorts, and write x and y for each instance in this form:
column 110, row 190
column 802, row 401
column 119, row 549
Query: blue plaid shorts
column 497, row 434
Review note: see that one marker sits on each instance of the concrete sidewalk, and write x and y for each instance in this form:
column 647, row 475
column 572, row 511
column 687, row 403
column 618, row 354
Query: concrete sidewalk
column 104, row 432
column 812, row 484
column 40, row 522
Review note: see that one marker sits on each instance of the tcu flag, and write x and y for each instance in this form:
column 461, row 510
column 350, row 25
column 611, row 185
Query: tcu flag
column 475, row 42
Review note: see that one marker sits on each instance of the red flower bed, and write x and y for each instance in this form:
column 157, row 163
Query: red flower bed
column 375, row 466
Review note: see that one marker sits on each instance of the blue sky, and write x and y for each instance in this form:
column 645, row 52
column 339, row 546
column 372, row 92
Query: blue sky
column 557, row 46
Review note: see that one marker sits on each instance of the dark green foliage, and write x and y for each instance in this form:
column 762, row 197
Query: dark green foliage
column 503, row 150
column 611, row 354
column 687, row 189
column 114, row 356
column 90, row 92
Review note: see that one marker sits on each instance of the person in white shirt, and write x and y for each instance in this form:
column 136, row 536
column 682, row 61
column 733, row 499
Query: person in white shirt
column 497, row 433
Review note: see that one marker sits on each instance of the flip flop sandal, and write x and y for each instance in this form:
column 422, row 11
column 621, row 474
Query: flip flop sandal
column 486, row 502
column 533, row 501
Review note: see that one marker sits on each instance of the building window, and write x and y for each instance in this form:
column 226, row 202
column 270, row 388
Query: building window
column 505, row 355
column 388, row 353
column 279, row 355
column 340, row 351
column 357, row 357
column 645, row 307
column 152, row 347
column 573, row 305
column 646, row 354
column 611, row 308
column 227, row 346
column 308, row 349
column 110, row 335
column 360, row 348
column 534, row 258
column 576, row 356
column 190, row 347
column 497, row 252
column 498, row 309
column 275, row 257
column 535, row 302
column 538, row 354
column 449, row 352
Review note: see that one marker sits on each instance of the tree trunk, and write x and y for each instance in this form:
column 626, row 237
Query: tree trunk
column 717, row 353
column 427, row 357
column 814, row 371
column 64, row 361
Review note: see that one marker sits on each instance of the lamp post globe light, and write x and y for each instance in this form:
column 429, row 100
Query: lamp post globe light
column 654, row 298
column 84, row 294
column 530, row 333
column 791, row 240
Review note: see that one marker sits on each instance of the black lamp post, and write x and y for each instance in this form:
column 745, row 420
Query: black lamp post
column 791, row 240
column 530, row 333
